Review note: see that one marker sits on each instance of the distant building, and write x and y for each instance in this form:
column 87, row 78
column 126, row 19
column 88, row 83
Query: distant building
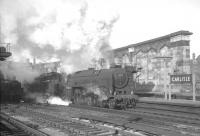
column 46, row 67
column 166, row 54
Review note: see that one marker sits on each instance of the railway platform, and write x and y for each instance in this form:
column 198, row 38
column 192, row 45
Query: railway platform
column 180, row 102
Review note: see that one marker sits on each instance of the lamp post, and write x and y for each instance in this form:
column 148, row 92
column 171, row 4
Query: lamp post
column 165, row 58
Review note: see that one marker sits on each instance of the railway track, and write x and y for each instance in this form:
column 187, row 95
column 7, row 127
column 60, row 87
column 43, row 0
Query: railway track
column 12, row 127
column 182, row 113
column 68, row 125
column 154, row 120
column 192, row 109
column 159, row 112
column 123, row 121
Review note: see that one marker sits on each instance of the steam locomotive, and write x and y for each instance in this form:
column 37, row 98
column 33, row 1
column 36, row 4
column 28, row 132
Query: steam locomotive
column 110, row 88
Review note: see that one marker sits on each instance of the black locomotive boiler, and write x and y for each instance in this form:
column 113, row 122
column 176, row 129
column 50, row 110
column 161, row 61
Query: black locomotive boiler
column 111, row 88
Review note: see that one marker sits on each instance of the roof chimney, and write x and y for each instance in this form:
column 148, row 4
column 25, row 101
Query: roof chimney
column 193, row 56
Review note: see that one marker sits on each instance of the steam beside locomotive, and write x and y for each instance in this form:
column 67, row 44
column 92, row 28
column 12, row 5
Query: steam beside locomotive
column 108, row 88
column 111, row 88
column 45, row 86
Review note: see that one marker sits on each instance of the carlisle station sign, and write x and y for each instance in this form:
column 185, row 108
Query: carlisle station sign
column 181, row 79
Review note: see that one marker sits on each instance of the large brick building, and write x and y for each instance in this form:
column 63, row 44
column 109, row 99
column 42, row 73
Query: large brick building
column 159, row 57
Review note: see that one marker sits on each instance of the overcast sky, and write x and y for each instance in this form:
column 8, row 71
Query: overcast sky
column 146, row 19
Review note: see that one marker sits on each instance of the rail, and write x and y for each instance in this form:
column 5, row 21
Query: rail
column 22, row 126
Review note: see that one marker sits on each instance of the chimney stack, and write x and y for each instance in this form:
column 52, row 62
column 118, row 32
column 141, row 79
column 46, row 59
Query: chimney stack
column 193, row 56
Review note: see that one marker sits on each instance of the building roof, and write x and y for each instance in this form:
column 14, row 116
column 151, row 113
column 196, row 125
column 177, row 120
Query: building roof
column 182, row 32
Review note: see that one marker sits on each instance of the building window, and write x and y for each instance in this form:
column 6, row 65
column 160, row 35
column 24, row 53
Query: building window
column 131, row 49
column 179, row 63
column 187, row 53
column 186, row 69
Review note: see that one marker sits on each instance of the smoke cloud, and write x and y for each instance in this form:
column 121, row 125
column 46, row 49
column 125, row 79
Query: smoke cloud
column 96, row 90
column 72, row 31
column 18, row 71
column 58, row 101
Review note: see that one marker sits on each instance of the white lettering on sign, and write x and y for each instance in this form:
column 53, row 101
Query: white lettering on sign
column 187, row 78
column 180, row 79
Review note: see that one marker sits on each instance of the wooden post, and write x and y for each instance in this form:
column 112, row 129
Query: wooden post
column 165, row 79
column 193, row 79
column 193, row 86
column 170, row 87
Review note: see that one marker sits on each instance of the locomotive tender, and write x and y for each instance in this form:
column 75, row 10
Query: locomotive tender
column 11, row 91
column 115, row 84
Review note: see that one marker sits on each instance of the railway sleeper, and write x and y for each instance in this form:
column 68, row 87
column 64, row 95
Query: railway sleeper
column 97, row 132
column 71, row 125
column 74, row 127
column 85, row 130
column 90, row 129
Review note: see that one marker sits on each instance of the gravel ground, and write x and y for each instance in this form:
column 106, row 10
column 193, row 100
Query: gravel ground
column 48, row 130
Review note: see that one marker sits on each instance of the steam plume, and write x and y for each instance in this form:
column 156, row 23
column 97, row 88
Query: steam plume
column 18, row 71
column 74, row 32
column 58, row 101
column 96, row 90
